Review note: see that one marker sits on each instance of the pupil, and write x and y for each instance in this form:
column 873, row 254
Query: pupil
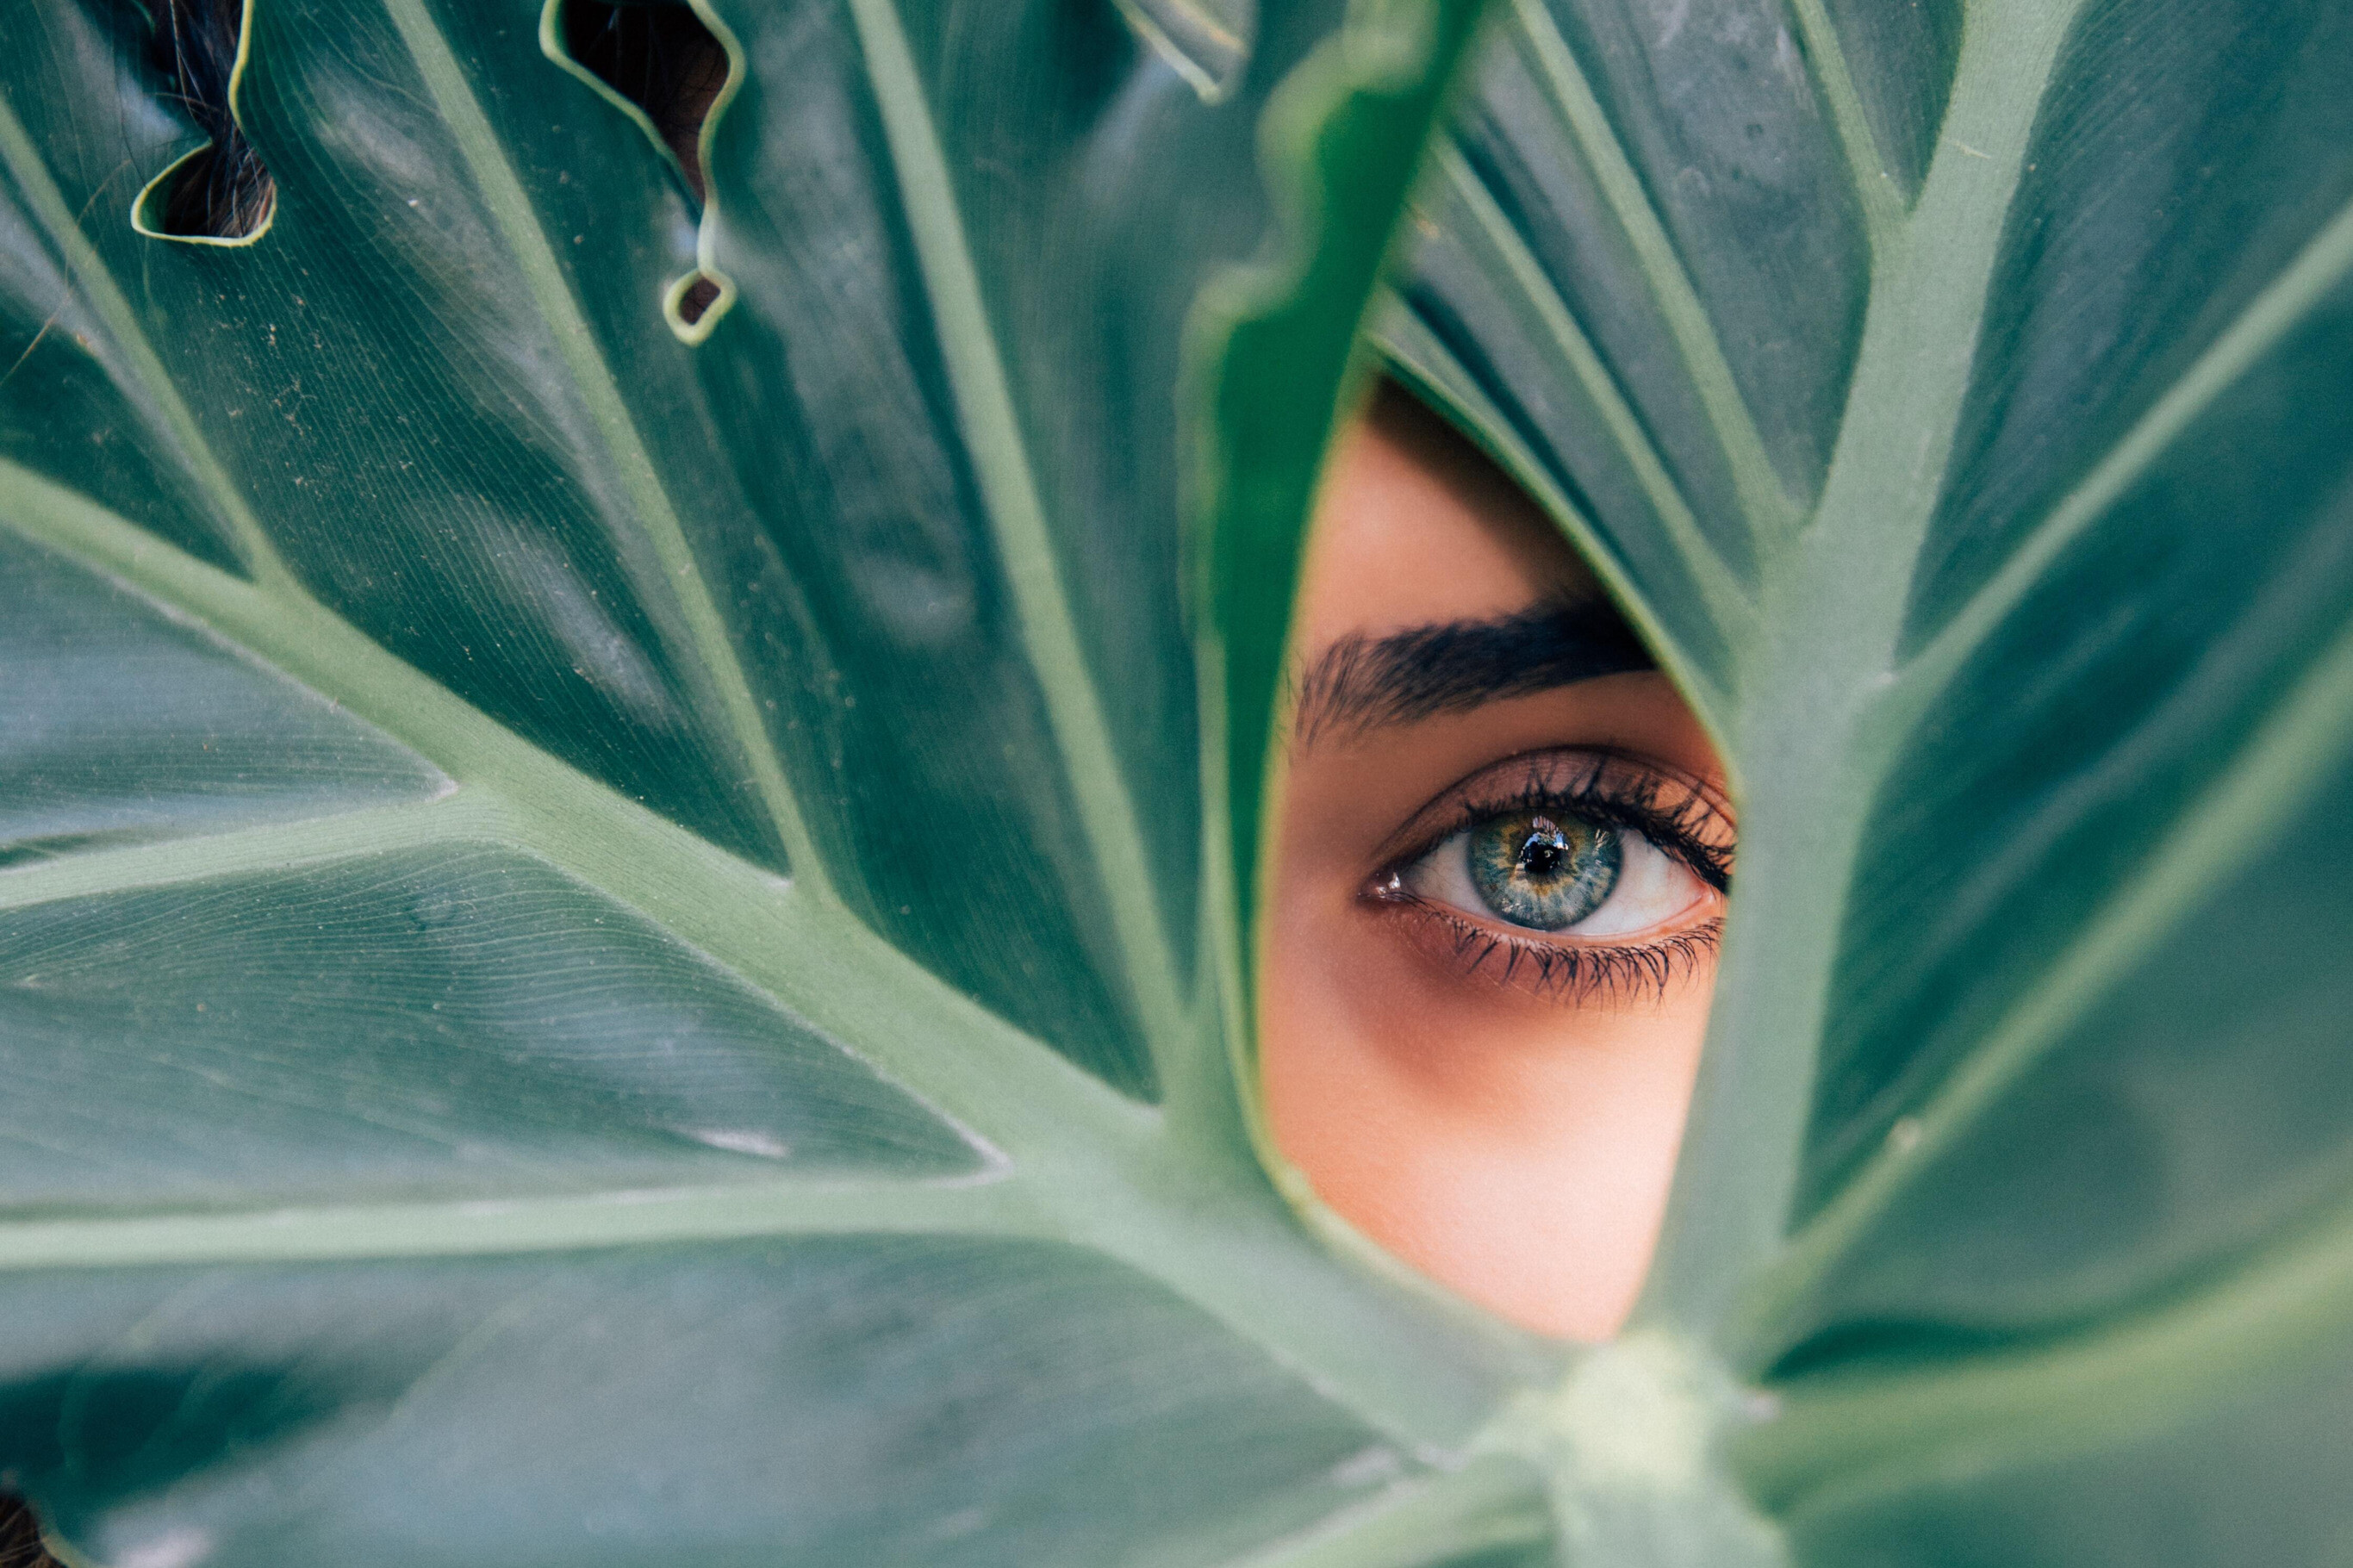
column 1544, row 852
column 1542, row 856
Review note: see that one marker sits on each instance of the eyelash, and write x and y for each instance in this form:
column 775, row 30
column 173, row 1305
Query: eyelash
column 1580, row 972
column 1644, row 971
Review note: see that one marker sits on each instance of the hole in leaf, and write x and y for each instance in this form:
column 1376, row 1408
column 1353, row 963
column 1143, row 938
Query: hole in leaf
column 695, row 302
column 696, row 297
column 659, row 54
column 20, row 1537
column 221, row 191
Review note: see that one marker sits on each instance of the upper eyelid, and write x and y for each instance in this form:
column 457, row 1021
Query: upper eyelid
column 1460, row 804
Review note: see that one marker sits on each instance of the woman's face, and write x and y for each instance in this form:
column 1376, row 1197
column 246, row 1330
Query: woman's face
column 1499, row 873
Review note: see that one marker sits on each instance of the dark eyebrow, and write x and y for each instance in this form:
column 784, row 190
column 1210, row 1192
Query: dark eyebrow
column 1363, row 682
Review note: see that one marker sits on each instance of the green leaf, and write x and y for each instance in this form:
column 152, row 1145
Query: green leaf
column 623, row 939
column 1958, row 394
column 601, row 953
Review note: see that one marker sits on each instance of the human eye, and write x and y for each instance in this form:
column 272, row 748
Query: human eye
column 1568, row 872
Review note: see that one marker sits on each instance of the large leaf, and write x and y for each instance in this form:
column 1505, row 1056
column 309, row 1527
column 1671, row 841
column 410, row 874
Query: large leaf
column 599, row 957
column 1961, row 391
column 624, row 939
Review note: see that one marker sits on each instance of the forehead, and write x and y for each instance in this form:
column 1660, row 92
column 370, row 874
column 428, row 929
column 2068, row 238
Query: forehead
column 1415, row 526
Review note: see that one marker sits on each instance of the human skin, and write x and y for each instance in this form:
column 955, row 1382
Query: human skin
column 1505, row 1123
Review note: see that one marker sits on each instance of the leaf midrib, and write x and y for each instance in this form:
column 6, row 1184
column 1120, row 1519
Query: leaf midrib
column 2307, row 731
column 1736, row 1179
column 2302, row 735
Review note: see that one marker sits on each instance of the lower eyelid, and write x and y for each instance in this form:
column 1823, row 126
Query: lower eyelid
column 1566, row 971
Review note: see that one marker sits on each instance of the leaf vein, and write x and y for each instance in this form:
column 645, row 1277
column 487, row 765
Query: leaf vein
column 2324, row 262
column 639, row 1216
column 82, row 260
column 1883, row 209
column 511, row 209
column 1728, row 603
column 1762, row 496
column 1001, row 463
column 2286, row 760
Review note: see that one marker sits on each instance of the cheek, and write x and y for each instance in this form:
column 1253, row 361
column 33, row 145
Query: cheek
column 1517, row 1148
column 1374, row 999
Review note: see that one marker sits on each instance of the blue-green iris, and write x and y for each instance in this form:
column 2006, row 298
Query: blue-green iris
column 1543, row 872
